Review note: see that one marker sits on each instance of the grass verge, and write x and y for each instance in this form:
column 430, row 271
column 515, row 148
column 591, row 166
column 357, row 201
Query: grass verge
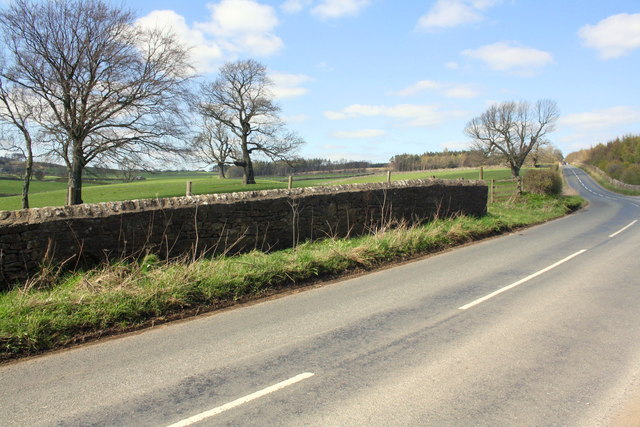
column 609, row 186
column 47, row 314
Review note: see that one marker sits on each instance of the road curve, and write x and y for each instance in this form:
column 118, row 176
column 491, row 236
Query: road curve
column 539, row 327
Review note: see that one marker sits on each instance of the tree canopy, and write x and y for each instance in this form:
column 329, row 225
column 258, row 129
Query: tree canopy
column 108, row 88
column 241, row 99
column 513, row 130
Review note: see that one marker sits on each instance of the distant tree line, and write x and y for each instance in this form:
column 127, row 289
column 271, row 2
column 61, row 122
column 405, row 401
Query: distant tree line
column 15, row 165
column 620, row 158
column 443, row 160
column 300, row 165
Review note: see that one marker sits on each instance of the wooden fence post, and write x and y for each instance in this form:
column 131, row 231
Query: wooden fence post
column 481, row 173
column 189, row 186
column 388, row 177
column 290, row 184
column 491, row 190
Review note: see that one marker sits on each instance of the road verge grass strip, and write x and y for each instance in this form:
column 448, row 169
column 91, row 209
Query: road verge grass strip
column 124, row 296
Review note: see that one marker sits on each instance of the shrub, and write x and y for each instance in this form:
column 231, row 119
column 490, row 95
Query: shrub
column 631, row 175
column 614, row 169
column 541, row 181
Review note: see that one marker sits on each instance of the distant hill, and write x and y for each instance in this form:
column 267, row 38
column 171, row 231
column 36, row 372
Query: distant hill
column 620, row 159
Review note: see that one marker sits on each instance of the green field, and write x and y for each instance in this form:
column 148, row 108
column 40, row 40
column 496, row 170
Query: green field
column 10, row 186
column 441, row 174
column 171, row 184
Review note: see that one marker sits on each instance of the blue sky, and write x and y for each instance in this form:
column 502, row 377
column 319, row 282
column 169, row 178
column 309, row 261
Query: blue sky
column 367, row 79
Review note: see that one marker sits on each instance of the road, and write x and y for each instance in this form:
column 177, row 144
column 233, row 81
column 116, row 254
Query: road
column 539, row 327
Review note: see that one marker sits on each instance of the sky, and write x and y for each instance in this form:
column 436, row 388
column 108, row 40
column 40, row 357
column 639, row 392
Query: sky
column 368, row 79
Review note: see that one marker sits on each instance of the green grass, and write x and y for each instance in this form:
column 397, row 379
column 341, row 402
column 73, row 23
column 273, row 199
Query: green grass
column 442, row 174
column 55, row 310
column 171, row 184
column 149, row 189
column 10, row 186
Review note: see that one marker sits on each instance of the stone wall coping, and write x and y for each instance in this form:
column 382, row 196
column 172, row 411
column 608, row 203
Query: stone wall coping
column 103, row 209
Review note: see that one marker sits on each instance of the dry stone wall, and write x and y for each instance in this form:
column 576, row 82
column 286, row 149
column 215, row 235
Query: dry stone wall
column 612, row 181
column 88, row 234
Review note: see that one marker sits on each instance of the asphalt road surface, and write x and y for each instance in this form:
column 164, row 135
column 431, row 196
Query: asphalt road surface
column 540, row 327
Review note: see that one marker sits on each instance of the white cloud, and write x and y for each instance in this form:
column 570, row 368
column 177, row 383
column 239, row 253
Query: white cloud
column 245, row 26
column 206, row 54
column 614, row 36
column 335, row 115
column 294, row 6
column 455, row 145
column 601, row 119
column 452, row 65
column 324, row 66
column 508, row 56
column 298, row 118
column 421, row 86
column 581, row 130
column 461, row 92
column 449, row 90
column 234, row 27
column 288, row 85
column 232, row 17
column 330, row 9
column 411, row 114
column 359, row 134
column 452, row 13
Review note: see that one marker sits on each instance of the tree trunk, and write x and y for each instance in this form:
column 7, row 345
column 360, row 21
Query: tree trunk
column 75, row 176
column 515, row 171
column 247, row 176
column 221, row 174
column 28, row 171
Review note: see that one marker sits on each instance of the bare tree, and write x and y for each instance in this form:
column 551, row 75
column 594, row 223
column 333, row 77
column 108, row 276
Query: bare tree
column 546, row 153
column 513, row 129
column 128, row 168
column 240, row 98
column 110, row 88
column 213, row 144
column 17, row 112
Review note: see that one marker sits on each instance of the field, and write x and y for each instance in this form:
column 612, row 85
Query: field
column 171, row 184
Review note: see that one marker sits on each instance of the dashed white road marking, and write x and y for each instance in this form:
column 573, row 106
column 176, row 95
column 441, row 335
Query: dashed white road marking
column 215, row 411
column 622, row 229
column 600, row 194
column 520, row 282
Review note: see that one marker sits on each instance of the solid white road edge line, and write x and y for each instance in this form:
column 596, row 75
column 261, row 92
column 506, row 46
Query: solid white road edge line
column 622, row 229
column 215, row 411
column 520, row 282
